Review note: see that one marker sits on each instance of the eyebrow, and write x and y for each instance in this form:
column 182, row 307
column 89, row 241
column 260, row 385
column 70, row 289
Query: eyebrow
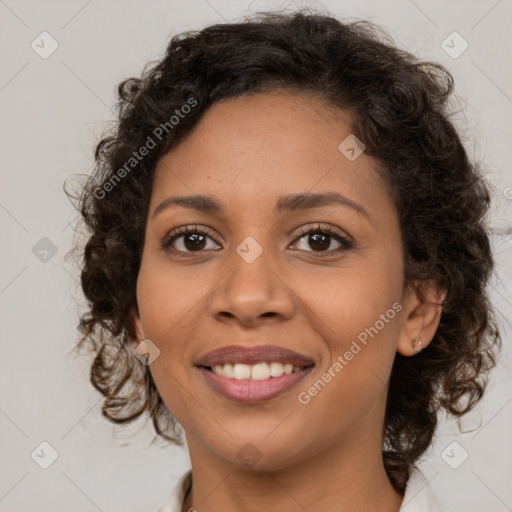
column 285, row 204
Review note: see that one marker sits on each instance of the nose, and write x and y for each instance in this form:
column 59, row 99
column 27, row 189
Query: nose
column 252, row 293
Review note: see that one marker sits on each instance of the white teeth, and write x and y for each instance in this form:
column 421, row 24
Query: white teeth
column 259, row 371
column 242, row 371
column 276, row 369
column 228, row 370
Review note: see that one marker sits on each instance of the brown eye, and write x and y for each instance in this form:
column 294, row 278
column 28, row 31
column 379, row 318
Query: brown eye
column 194, row 241
column 320, row 239
column 186, row 240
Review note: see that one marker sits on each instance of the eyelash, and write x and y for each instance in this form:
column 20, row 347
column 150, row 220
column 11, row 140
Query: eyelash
column 345, row 243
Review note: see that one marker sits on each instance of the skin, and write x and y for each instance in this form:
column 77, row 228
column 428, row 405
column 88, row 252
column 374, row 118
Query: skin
column 324, row 455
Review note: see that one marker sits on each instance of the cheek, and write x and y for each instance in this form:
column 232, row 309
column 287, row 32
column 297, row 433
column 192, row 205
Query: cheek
column 360, row 328
column 356, row 298
column 359, row 318
column 168, row 297
column 170, row 300
column 166, row 304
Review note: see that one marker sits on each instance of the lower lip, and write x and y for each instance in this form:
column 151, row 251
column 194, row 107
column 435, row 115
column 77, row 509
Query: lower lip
column 249, row 391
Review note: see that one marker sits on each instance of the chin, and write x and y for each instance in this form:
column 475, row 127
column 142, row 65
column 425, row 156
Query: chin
column 262, row 454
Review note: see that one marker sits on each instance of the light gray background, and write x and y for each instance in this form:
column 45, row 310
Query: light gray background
column 53, row 112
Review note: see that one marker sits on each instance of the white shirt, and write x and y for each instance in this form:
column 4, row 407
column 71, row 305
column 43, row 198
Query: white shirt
column 418, row 496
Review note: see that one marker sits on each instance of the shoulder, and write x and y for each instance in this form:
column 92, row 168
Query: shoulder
column 418, row 495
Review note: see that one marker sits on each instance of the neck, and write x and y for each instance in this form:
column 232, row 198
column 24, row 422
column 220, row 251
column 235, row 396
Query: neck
column 340, row 478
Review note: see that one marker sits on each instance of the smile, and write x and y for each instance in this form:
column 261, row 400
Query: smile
column 259, row 371
column 251, row 390
column 253, row 373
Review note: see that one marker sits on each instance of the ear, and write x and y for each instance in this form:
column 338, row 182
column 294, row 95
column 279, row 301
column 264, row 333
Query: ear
column 422, row 314
column 138, row 329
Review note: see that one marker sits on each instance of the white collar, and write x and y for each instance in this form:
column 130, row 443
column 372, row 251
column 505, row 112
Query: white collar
column 418, row 495
column 174, row 502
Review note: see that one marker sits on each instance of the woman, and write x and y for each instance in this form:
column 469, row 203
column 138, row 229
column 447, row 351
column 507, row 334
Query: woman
column 287, row 260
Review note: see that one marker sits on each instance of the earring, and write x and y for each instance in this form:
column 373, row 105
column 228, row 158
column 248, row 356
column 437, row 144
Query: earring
column 417, row 346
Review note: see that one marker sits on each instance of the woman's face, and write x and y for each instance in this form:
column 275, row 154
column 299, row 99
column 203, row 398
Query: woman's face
column 254, row 279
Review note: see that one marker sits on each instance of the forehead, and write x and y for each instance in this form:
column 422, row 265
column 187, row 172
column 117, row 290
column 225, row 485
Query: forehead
column 249, row 150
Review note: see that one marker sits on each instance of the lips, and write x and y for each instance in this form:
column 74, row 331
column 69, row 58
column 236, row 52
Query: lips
column 237, row 354
column 242, row 385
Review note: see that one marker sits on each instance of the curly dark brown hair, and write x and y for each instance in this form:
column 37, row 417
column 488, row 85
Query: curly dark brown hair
column 400, row 107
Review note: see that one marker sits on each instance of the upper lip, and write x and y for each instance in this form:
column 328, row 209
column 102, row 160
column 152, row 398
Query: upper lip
column 251, row 355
